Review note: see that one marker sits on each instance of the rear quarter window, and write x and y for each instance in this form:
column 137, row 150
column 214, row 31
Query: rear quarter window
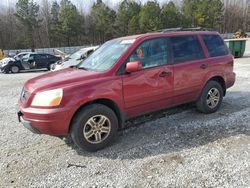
column 215, row 45
column 186, row 48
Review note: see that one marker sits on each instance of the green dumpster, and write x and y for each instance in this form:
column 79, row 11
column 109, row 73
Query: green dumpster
column 236, row 46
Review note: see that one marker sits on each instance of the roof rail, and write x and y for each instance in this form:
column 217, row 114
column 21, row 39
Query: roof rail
column 186, row 29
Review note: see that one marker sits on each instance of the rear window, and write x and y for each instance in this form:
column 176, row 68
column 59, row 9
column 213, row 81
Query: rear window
column 186, row 48
column 215, row 45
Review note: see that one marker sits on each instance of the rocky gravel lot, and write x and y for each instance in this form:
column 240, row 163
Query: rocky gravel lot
column 179, row 147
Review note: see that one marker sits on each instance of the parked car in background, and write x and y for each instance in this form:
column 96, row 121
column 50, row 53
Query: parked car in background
column 61, row 54
column 74, row 59
column 17, row 57
column 21, row 55
column 30, row 61
column 124, row 78
column 5, row 60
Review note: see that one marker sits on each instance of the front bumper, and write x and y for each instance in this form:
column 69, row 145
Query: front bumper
column 56, row 67
column 54, row 122
column 5, row 68
column 2, row 68
column 26, row 124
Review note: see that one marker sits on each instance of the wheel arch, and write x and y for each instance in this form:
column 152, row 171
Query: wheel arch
column 107, row 102
column 221, row 81
column 14, row 64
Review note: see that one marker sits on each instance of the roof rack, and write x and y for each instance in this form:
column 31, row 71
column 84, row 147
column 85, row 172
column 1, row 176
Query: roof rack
column 186, row 29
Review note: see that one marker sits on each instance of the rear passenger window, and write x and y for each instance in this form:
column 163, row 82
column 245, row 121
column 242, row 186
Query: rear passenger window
column 215, row 45
column 186, row 48
column 41, row 56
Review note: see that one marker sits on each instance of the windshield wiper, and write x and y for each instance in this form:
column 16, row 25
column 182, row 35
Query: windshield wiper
column 83, row 68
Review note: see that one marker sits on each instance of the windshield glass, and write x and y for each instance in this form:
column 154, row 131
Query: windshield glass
column 77, row 55
column 16, row 57
column 19, row 56
column 26, row 57
column 106, row 56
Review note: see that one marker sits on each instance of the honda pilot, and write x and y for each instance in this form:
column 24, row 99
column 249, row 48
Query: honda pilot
column 124, row 78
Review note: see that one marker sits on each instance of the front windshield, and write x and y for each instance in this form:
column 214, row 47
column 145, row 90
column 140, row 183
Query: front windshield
column 16, row 57
column 77, row 55
column 26, row 57
column 106, row 56
column 19, row 56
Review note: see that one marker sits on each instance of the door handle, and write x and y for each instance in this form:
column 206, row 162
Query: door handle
column 164, row 74
column 204, row 66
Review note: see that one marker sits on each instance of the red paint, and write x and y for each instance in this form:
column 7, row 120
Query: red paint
column 134, row 93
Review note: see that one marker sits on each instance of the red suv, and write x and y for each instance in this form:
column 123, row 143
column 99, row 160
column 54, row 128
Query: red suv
column 127, row 77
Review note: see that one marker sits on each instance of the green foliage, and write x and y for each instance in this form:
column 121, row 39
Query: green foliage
column 204, row 13
column 22, row 42
column 27, row 13
column 66, row 26
column 103, row 20
column 55, row 10
column 54, row 31
column 127, row 20
column 134, row 26
column 150, row 17
column 170, row 16
column 70, row 21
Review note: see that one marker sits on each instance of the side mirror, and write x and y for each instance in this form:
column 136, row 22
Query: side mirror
column 133, row 66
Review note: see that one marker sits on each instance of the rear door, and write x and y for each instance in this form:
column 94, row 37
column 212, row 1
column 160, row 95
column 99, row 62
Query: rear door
column 190, row 66
column 41, row 60
column 150, row 88
column 220, row 60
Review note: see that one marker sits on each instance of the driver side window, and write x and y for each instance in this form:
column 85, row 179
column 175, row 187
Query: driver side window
column 31, row 58
column 151, row 53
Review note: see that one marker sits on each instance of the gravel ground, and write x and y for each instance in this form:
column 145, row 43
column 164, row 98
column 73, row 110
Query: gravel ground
column 179, row 147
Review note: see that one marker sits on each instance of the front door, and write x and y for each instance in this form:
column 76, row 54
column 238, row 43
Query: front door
column 28, row 62
column 150, row 88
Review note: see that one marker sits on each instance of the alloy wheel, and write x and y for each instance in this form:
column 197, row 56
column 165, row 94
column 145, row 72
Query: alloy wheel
column 213, row 97
column 14, row 69
column 97, row 129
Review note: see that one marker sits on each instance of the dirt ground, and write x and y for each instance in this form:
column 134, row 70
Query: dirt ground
column 179, row 147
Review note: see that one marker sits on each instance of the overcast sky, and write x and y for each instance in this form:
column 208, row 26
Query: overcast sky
column 84, row 4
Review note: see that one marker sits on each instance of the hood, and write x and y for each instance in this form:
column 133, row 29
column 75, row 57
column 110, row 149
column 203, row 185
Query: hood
column 59, row 79
column 6, row 60
column 70, row 62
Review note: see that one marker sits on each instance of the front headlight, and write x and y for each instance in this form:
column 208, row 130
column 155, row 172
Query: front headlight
column 4, row 63
column 49, row 98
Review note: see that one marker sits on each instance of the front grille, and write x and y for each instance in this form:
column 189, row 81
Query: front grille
column 24, row 95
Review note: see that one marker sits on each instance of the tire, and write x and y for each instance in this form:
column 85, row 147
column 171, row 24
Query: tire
column 211, row 98
column 48, row 67
column 14, row 69
column 85, row 124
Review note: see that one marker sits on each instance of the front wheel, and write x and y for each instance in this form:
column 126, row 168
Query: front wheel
column 14, row 69
column 211, row 98
column 94, row 127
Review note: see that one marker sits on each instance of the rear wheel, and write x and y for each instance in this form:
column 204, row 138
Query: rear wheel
column 94, row 127
column 14, row 69
column 210, row 98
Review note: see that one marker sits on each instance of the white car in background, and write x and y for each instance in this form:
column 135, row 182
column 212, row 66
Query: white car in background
column 17, row 57
column 74, row 59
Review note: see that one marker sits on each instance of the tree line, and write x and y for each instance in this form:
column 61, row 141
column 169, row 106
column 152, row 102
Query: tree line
column 32, row 25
